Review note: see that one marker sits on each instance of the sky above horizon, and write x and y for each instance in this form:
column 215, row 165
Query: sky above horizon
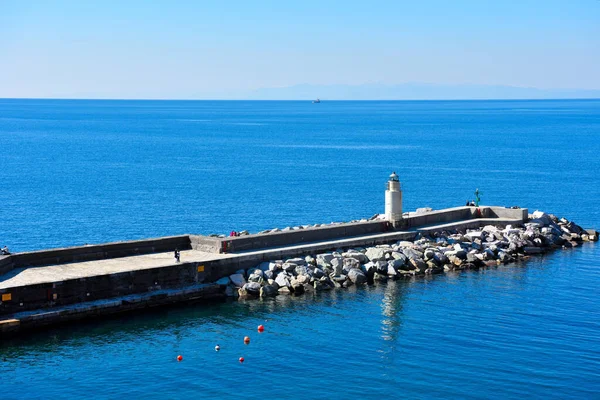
column 217, row 49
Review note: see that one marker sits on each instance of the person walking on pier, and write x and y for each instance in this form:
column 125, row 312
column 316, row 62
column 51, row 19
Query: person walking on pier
column 177, row 255
column 4, row 251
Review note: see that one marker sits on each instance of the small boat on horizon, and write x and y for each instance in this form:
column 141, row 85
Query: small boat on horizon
column 316, row 101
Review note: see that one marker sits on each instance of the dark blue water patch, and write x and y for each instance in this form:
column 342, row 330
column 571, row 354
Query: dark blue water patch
column 77, row 172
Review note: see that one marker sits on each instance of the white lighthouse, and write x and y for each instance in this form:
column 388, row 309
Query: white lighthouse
column 393, row 200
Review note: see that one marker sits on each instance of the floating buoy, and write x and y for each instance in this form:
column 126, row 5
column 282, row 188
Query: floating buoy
column 246, row 340
column 241, row 359
column 179, row 358
column 217, row 348
column 261, row 328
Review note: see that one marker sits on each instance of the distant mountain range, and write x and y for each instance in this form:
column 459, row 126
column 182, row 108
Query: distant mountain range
column 415, row 91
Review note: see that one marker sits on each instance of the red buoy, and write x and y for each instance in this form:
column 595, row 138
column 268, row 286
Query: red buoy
column 179, row 358
column 261, row 328
column 246, row 340
column 241, row 359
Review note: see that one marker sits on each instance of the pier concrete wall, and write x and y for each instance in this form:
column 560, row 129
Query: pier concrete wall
column 100, row 251
column 73, row 291
column 275, row 239
column 439, row 217
column 6, row 264
column 502, row 212
column 205, row 243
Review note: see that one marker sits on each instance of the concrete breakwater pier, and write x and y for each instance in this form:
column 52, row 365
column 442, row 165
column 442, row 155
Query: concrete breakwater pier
column 52, row 286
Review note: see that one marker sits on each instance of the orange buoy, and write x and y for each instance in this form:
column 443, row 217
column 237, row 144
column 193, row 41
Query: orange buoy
column 179, row 358
column 261, row 328
column 246, row 340
column 241, row 359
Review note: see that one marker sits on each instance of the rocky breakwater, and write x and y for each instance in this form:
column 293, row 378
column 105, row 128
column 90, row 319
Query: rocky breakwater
column 434, row 253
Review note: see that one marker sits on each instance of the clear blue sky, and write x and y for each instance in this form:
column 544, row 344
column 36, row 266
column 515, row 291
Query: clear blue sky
column 206, row 49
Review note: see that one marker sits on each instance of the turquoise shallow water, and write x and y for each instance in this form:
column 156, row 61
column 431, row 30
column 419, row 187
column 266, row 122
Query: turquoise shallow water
column 77, row 172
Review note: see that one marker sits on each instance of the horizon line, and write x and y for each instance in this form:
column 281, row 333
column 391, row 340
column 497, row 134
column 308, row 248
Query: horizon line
column 302, row 100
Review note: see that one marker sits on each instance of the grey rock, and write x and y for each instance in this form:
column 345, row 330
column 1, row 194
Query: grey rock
column 268, row 291
column 377, row 277
column 391, row 270
column 381, row 267
column 238, row 280
column 418, row 263
column 282, row 281
column 396, row 264
column 350, row 263
column 223, row 281
column 325, row 258
column 264, row 266
column 297, row 261
column 250, row 289
column 284, row 290
column 376, row 254
column 412, row 253
column 302, row 270
column 318, row 273
column 357, row 255
column 297, row 287
column 357, row 276
column 289, row 267
column 275, row 266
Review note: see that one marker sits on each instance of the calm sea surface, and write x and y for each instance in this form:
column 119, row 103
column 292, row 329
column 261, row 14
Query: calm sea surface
column 75, row 172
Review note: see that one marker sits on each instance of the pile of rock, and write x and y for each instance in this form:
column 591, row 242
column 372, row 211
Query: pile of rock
column 434, row 253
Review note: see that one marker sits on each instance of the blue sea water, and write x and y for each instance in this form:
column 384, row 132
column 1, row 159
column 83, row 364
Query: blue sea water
column 75, row 172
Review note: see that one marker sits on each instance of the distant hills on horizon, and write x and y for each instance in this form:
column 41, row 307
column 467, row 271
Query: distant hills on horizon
column 416, row 91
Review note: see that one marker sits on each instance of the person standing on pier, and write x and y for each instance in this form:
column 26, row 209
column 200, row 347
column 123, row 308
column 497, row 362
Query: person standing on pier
column 177, row 255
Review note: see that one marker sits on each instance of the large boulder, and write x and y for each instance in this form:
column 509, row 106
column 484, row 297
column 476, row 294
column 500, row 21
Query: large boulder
column 337, row 269
column 264, row 266
column 282, row 280
column 274, row 266
column 376, row 254
column 318, row 273
column 396, row 264
column 357, row 276
column 256, row 276
column 474, row 235
column 284, row 290
column 412, row 253
column 250, row 289
column 324, row 260
column 302, row 270
column 391, row 270
column 297, row 287
column 238, row 280
column 336, row 262
column 355, row 254
column 223, row 281
column 289, row 267
column 297, row 261
column 418, row 263
column 350, row 263
column 268, row 291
